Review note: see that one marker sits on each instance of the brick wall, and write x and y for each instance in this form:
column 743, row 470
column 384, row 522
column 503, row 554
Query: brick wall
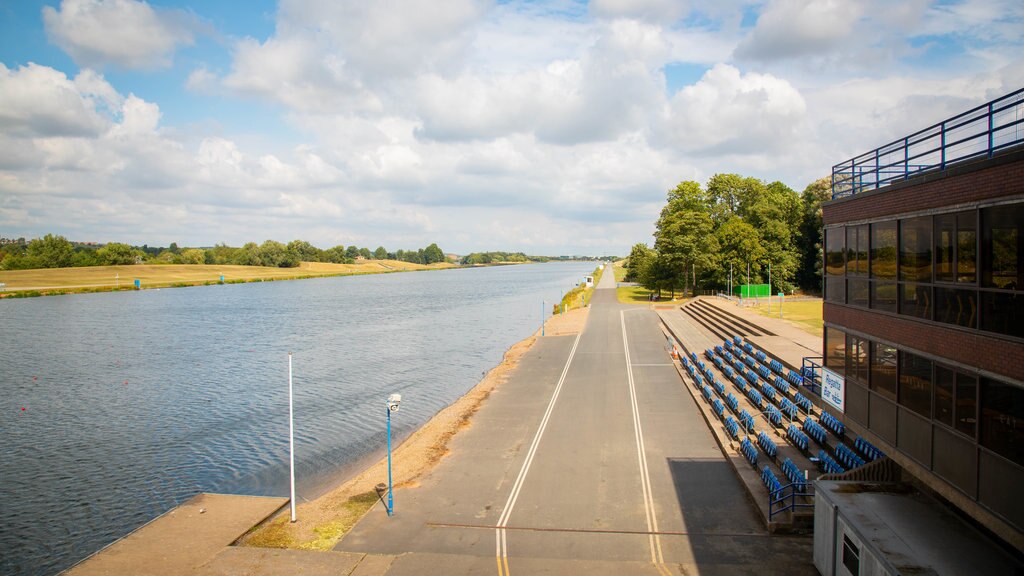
column 972, row 182
column 973, row 349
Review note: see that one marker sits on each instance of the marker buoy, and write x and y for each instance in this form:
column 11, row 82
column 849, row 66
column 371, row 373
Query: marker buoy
column 22, row 408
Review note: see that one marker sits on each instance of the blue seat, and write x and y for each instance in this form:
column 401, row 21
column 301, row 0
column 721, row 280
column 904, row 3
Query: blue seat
column 773, row 415
column 693, row 356
column 794, row 378
column 828, row 465
column 766, row 444
column 738, row 365
column 798, row 438
column 748, row 451
column 748, row 348
column 868, row 449
column 761, row 356
column 727, row 344
column 718, row 350
column 848, row 457
column 751, row 377
column 782, row 385
column 706, row 392
column 747, row 421
column 732, row 402
column 749, row 361
column 802, row 402
column 732, row 427
column 768, row 391
column 815, row 431
column 710, row 354
column 737, row 340
column 709, row 373
column 729, row 358
column 740, row 382
column 755, row 398
column 698, row 381
column 764, row 372
column 719, row 387
column 772, row 483
column 776, row 366
column 788, row 408
column 795, row 475
column 685, row 360
column 832, row 423
column 718, row 407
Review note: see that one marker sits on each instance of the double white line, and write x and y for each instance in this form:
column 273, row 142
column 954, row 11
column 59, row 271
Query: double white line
column 501, row 544
column 645, row 478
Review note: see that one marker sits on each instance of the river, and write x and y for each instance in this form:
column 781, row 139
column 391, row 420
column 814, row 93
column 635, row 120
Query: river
column 119, row 406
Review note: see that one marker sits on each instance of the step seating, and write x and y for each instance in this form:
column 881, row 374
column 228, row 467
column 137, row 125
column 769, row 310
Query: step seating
column 748, row 451
column 828, row 465
column 706, row 392
column 781, row 385
column 847, row 457
column 719, row 387
column 868, row 449
column 798, row 438
column 802, row 402
column 832, row 423
column 771, row 482
column 816, row 431
column 773, row 415
column 732, row 402
column 755, row 398
column 732, row 427
column 718, row 407
column 747, row 421
column 766, row 444
column 788, row 408
column 795, row 474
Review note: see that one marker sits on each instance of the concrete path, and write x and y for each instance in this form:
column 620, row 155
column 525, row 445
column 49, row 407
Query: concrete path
column 592, row 459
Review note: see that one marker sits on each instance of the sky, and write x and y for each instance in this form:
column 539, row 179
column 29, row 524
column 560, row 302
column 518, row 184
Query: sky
column 548, row 127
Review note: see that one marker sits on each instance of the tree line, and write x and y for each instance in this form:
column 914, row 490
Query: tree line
column 738, row 223
column 54, row 251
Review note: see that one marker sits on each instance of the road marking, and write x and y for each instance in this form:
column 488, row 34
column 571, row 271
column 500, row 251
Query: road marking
column 599, row 530
column 645, row 479
column 652, row 364
column 501, row 543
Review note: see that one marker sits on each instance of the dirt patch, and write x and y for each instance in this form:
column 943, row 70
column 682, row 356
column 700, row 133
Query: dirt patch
column 322, row 522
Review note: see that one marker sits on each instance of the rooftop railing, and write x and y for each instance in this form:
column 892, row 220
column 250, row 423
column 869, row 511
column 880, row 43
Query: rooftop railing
column 980, row 132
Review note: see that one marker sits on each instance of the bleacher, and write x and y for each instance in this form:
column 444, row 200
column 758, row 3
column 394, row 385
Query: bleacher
column 748, row 451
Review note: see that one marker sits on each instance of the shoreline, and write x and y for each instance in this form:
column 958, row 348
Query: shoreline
column 323, row 521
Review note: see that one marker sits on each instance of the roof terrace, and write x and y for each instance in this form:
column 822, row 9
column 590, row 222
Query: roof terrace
column 979, row 132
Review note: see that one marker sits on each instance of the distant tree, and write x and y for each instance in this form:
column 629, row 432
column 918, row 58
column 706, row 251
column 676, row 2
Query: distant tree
column 640, row 258
column 809, row 241
column 248, row 255
column 365, row 253
column 352, row 252
column 117, row 254
column 433, row 254
column 173, row 248
column 380, row 253
column 336, row 255
column 192, row 256
column 304, row 251
column 276, row 254
column 85, row 257
column 50, row 252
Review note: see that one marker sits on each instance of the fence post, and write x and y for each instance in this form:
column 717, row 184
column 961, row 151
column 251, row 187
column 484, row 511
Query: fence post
column 942, row 139
column 989, row 129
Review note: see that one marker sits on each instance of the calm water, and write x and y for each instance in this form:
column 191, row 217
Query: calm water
column 135, row 401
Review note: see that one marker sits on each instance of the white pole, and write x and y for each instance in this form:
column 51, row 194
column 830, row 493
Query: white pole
column 291, row 437
column 769, row 286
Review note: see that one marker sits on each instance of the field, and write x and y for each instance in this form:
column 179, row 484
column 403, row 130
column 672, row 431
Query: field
column 104, row 278
column 805, row 313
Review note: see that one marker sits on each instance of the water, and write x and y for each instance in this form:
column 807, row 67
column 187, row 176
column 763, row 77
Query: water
column 135, row 401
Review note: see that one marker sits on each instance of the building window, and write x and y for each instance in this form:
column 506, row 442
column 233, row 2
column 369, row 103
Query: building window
column 883, row 296
column 945, row 384
column 967, row 246
column 916, row 300
column 955, row 247
column 857, row 250
column 835, row 261
column 966, row 403
column 954, row 306
column 1002, row 419
column 883, row 250
column 883, row 370
column 851, row 556
column 945, row 248
column 1003, row 313
column 915, row 383
column 857, row 292
column 916, row 249
column 856, row 359
column 1001, row 250
column 835, row 350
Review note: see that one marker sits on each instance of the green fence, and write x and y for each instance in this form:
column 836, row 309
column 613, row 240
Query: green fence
column 752, row 290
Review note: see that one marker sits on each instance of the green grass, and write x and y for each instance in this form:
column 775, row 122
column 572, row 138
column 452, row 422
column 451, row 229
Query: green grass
column 640, row 295
column 805, row 313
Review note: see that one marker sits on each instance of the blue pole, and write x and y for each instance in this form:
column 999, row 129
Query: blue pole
column 391, row 502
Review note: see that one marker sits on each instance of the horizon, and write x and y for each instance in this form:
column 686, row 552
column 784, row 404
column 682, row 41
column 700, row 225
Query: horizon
column 523, row 125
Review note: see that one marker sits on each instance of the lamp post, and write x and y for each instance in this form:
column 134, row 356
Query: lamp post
column 393, row 401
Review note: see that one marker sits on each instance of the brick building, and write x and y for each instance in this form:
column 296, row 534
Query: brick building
column 924, row 307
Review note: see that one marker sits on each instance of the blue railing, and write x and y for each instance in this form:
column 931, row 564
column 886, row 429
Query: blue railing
column 811, row 372
column 789, row 497
column 979, row 132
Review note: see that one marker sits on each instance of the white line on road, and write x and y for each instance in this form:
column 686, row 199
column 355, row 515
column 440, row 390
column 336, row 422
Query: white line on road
column 501, row 543
column 645, row 479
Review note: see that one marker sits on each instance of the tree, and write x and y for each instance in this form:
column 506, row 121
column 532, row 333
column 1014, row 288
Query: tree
column 365, row 253
column 304, row 251
column 249, row 255
column 639, row 260
column 684, row 239
column 117, row 254
column 336, row 255
column 50, row 252
column 432, row 254
column 276, row 254
column 352, row 252
column 380, row 253
column 740, row 245
column 192, row 256
column 809, row 241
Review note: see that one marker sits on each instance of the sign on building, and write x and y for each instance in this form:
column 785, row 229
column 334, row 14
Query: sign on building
column 833, row 389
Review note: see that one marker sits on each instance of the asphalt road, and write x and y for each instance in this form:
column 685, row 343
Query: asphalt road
column 591, row 459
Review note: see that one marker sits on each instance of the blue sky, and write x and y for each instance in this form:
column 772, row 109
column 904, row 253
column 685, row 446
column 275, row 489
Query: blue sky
column 548, row 127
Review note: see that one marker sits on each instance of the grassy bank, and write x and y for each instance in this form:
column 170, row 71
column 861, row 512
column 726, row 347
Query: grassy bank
column 804, row 313
column 636, row 294
column 50, row 281
column 579, row 297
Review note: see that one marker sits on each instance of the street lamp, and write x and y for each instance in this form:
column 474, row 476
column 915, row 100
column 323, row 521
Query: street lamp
column 393, row 401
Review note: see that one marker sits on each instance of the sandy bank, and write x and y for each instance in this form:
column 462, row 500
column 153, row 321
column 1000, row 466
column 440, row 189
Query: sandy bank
column 323, row 521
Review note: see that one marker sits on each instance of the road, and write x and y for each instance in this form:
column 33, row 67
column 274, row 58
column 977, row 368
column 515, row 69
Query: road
column 591, row 459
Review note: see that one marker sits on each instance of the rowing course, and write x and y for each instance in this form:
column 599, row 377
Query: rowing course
column 591, row 458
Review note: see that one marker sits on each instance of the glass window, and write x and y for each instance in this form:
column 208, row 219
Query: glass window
column 1003, row 313
column 945, row 248
column 862, row 250
column 1002, row 419
column 851, row 249
column 1001, row 251
column 856, row 358
column 857, row 292
column 966, row 403
column 915, row 383
column 967, row 246
column 916, row 300
column 958, row 307
column 835, row 350
column 945, row 383
column 883, row 296
column 835, row 261
column 883, row 369
column 835, row 289
column 916, row 249
column 883, row 250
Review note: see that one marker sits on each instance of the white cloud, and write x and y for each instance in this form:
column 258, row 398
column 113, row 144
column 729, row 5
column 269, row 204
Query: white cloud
column 800, row 28
column 38, row 100
column 125, row 33
column 667, row 11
